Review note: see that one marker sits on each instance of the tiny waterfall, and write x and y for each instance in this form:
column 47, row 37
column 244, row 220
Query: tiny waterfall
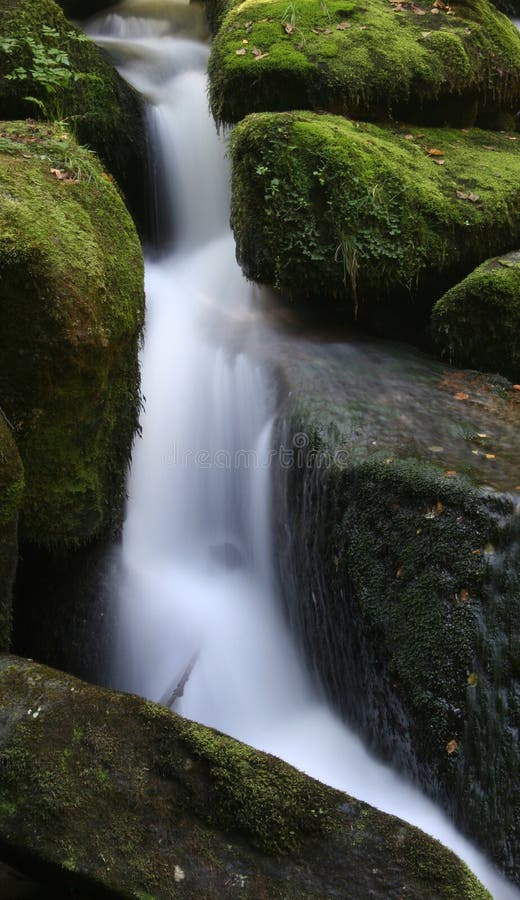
column 198, row 614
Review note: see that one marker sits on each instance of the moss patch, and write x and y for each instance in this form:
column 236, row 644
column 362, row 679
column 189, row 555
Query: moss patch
column 477, row 323
column 324, row 207
column 187, row 811
column 367, row 60
column 404, row 580
column 11, row 490
column 71, row 311
column 100, row 108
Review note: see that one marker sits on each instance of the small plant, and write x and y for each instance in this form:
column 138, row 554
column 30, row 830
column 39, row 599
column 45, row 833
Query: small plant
column 348, row 252
column 48, row 68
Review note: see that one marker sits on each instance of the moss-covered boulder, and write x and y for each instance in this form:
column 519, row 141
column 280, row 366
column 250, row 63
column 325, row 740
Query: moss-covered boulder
column 380, row 219
column 50, row 69
column 11, row 489
column 477, row 322
column 187, row 812
column 416, row 61
column 399, row 547
column 71, row 311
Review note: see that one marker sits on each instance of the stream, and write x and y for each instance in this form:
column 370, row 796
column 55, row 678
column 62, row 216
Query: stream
column 198, row 610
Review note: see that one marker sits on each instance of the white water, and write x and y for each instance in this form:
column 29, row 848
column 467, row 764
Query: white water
column 195, row 575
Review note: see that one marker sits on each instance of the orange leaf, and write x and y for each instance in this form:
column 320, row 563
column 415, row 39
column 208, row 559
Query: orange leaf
column 464, row 595
column 434, row 152
column 451, row 746
column 461, row 395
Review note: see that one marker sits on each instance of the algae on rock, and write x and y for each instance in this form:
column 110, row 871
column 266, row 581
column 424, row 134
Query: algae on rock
column 187, row 811
column 325, row 208
column 477, row 322
column 11, row 490
column 46, row 58
column 371, row 60
column 71, row 312
column 399, row 542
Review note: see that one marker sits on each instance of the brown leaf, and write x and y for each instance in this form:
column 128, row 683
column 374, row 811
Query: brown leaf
column 288, row 27
column 451, row 746
column 409, row 137
column 433, row 151
column 258, row 54
column 439, row 162
column 241, row 52
column 464, row 595
column 342, row 26
column 439, row 4
column 516, row 387
column 435, row 12
column 461, row 395
column 474, row 198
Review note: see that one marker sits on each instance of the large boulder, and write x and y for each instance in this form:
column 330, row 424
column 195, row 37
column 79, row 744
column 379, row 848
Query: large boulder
column 477, row 322
column 11, row 489
column 399, row 548
column 416, row 61
column 71, row 312
column 382, row 220
column 50, row 69
column 105, row 794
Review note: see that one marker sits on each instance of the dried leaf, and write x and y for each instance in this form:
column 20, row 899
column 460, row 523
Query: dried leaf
column 241, row 52
column 439, row 162
column 409, row 137
column 433, row 151
column 516, row 387
column 450, row 473
column 439, row 4
column 342, row 26
column 418, row 11
column 435, row 12
column 473, row 679
column 461, row 395
column 258, row 54
column 490, row 456
column 288, row 27
column 425, row 34
column 451, row 746
column 464, row 595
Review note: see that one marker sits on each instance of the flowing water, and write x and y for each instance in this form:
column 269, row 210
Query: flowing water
column 198, row 613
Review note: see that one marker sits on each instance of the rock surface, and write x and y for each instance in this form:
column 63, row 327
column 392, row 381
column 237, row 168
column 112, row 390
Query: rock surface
column 71, row 312
column 421, row 62
column 11, row 490
column 399, row 543
column 46, row 58
column 477, row 322
column 381, row 220
column 105, row 794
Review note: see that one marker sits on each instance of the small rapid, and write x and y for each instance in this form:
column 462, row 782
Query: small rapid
column 198, row 616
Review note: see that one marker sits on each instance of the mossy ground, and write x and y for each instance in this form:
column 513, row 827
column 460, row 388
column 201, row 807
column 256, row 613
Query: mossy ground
column 71, row 311
column 328, row 208
column 187, row 812
column 367, row 60
column 477, row 323
column 100, row 108
column 11, row 491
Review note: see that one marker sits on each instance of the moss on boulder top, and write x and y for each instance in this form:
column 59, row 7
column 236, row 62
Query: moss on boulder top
column 416, row 61
column 186, row 811
column 45, row 57
column 399, row 544
column 477, row 322
column 379, row 218
column 71, row 311
column 11, row 489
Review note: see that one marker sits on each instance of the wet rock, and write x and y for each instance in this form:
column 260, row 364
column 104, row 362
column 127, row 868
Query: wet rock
column 186, row 811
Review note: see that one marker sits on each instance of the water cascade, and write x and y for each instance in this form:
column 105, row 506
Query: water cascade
column 198, row 618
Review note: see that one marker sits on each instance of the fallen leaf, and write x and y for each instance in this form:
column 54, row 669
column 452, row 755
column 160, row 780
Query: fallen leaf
column 439, row 4
column 490, row 456
column 474, row 198
column 288, row 27
column 363, row 27
column 516, row 387
column 433, row 151
column 439, row 162
column 342, row 26
column 451, row 747
column 461, row 395
column 476, row 552
column 438, row 507
column 259, row 54
column 473, row 679
column 425, row 34
column 241, row 52
column 464, row 595
column 409, row 137
column 398, row 573
column 418, row 11
column 450, row 473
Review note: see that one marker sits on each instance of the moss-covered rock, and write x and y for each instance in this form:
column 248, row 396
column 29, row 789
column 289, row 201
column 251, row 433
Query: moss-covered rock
column 11, row 489
column 325, row 208
column 399, row 555
column 477, row 322
column 187, row 812
column 419, row 62
column 71, row 311
column 46, row 58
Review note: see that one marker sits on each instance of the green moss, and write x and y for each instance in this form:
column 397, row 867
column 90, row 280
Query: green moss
column 187, row 811
column 477, row 322
column 324, row 207
column 102, row 110
column 367, row 60
column 11, row 492
column 71, row 311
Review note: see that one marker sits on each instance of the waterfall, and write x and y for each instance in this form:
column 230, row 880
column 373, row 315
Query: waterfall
column 198, row 612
